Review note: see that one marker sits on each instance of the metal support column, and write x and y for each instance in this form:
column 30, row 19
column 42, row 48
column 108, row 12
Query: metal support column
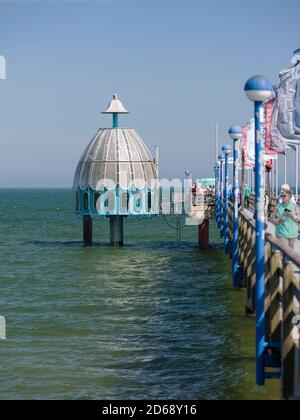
column 235, row 257
column 260, row 243
column 87, row 230
column 116, row 231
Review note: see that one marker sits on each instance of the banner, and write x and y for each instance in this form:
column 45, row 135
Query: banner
column 274, row 142
column 288, row 101
column 248, row 144
column 283, row 111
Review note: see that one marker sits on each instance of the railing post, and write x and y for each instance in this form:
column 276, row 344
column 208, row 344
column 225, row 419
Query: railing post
column 273, row 295
column 217, row 191
column 221, row 200
column 251, row 277
column 243, row 181
column 236, row 133
column 296, row 334
column 288, row 344
column 226, row 150
column 259, row 89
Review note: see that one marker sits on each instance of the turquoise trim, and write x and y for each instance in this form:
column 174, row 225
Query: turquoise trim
column 115, row 120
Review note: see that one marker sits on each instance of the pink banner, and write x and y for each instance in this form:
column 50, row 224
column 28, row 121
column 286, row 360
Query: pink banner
column 269, row 146
column 248, row 143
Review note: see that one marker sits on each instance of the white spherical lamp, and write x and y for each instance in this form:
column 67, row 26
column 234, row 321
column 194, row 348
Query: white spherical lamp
column 259, row 89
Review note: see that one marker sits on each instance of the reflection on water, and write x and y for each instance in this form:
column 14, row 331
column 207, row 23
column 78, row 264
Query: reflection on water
column 156, row 319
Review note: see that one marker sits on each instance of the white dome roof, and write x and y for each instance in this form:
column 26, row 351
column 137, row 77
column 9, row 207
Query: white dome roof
column 116, row 156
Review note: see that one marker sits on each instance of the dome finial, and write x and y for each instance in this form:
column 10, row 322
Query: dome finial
column 115, row 106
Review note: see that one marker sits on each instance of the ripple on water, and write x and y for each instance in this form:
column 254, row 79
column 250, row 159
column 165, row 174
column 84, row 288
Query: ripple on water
column 152, row 320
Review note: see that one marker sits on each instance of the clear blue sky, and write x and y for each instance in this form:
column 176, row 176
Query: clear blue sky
column 178, row 66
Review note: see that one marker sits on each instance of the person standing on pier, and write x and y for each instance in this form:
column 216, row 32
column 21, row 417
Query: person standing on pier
column 247, row 194
column 285, row 188
column 286, row 220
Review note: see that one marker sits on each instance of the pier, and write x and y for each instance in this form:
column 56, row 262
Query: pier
column 260, row 227
column 282, row 301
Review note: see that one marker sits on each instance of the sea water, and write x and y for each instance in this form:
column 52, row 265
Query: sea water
column 156, row 319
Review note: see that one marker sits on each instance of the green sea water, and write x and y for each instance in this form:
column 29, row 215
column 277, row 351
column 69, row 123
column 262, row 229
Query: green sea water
column 155, row 320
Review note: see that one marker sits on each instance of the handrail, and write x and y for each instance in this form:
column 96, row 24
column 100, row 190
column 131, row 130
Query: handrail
column 282, row 302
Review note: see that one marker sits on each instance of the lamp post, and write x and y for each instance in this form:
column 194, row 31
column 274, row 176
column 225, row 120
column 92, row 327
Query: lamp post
column 188, row 174
column 243, row 180
column 226, row 150
column 220, row 224
column 277, row 177
column 259, row 89
column 157, row 159
column 217, row 178
column 285, row 169
column 188, row 186
column 236, row 133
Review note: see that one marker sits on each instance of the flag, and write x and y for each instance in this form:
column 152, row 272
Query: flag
column 274, row 142
column 248, row 143
column 287, row 115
